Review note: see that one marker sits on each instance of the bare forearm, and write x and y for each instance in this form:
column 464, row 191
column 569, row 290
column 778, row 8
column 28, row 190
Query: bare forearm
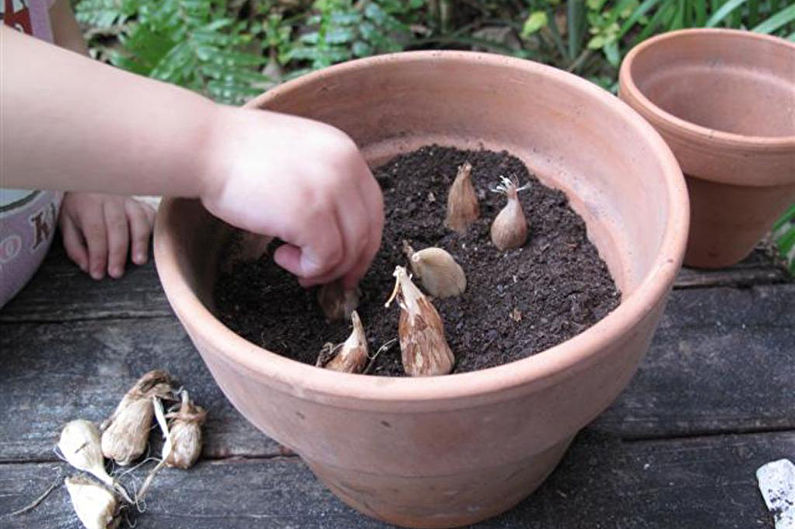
column 74, row 124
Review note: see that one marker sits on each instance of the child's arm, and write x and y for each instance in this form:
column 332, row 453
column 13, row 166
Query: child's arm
column 71, row 123
column 98, row 229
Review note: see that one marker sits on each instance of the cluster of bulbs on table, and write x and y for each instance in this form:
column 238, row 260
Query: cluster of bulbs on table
column 123, row 438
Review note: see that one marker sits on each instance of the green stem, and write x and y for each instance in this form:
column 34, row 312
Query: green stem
column 753, row 12
column 574, row 19
column 584, row 56
column 552, row 28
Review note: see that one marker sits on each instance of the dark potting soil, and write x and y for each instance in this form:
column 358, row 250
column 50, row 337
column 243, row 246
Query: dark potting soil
column 517, row 303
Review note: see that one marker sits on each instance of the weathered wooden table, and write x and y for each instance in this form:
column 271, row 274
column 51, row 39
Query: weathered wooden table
column 713, row 400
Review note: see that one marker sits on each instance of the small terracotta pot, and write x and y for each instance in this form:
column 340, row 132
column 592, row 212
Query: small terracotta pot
column 453, row 450
column 724, row 100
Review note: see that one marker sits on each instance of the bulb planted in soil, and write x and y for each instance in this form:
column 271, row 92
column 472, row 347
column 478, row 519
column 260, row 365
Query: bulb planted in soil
column 509, row 229
column 424, row 349
column 497, row 282
column 350, row 356
column 462, row 201
column 336, row 302
column 440, row 275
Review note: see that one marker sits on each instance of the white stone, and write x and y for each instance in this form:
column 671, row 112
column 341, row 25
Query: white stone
column 777, row 484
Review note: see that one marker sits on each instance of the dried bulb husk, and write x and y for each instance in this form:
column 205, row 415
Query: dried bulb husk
column 95, row 506
column 462, row 201
column 79, row 444
column 245, row 248
column 440, row 275
column 126, row 431
column 509, row 229
column 252, row 246
column 424, row 350
column 352, row 355
column 336, row 302
column 185, row 431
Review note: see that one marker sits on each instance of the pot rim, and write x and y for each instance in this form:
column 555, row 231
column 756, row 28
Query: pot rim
column 688, row 129
column 550, row 364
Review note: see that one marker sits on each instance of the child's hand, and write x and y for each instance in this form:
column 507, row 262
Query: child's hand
column 98, row 229
column 301, row 181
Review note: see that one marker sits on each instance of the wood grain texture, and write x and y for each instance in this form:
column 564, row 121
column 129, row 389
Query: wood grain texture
column 601, row 483
column 721, row 361
column 61, row 292
column 762, row 267
column 53, row 373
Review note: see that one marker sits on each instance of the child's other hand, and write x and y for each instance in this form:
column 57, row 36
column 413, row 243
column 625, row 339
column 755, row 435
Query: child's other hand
column 99, row 229
column 301, row 181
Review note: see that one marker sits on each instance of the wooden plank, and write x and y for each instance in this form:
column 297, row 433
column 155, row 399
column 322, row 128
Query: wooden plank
column 61, row 292
column 720, row 362
column 762, row 267
column 53, row 373
column 602, row 482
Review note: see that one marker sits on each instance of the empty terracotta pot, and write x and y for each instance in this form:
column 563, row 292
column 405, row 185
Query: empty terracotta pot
column 452, row 450
column 724, row 100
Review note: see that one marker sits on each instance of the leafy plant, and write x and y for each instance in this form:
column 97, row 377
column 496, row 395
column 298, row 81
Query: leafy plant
column 191, row 43
column 640, row 21
column 341, row 30
column 784, row 236
column 613, row 27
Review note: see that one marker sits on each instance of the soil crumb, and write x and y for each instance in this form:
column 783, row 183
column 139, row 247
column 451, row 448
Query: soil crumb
column 517, row 303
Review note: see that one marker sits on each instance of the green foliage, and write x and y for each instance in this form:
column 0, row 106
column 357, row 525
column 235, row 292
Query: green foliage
column 612, row 27
column 633, row 22
column 341, row 30
column 191, row 43
column 219, row 47
column 103, row 13
column 534, row 23
column 784, row 236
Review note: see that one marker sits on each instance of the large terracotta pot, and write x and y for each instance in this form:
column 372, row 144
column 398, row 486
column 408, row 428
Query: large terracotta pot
column 453, row 450
column 724, row 100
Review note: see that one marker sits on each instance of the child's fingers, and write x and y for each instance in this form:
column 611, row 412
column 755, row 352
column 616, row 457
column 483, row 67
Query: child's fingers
column 355, row 274
column 352, row 219
column 305, row 262
column 96, row 238
column 141, row 219
column 363, row 260
column 288, row 257
column 318, row 280
column 315, row 248
column 151, row 213
column 118, row 236
column 373, row 203
column 73, row 243
column 373, row 198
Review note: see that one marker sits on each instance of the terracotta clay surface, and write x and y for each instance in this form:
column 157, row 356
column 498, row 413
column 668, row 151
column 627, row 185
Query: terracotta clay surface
column 449, row 451
column 724, row 101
